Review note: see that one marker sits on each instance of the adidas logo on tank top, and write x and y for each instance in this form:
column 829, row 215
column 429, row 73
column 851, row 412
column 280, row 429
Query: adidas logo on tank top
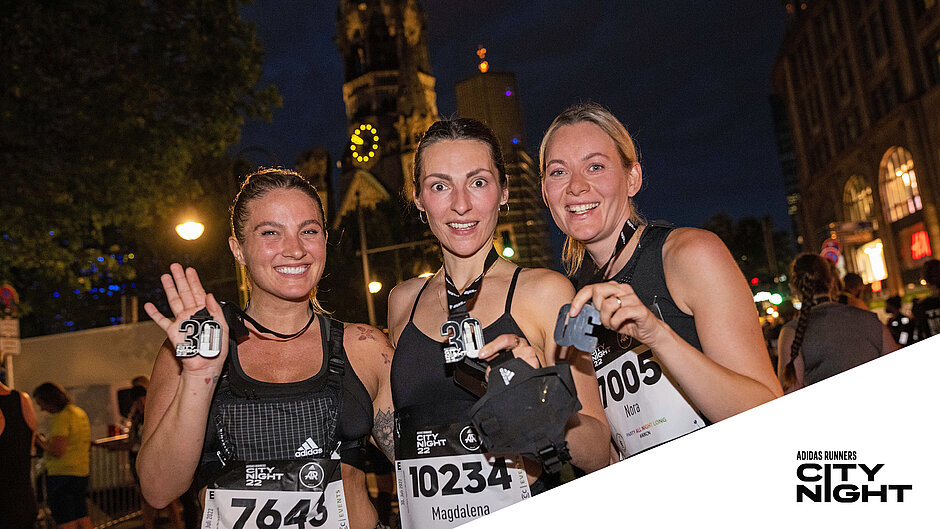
column 309, row 448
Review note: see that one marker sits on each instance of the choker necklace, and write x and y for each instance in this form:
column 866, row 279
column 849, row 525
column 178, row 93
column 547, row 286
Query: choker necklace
column 265, row 330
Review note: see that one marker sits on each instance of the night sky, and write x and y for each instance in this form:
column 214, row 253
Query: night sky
column 690, row 80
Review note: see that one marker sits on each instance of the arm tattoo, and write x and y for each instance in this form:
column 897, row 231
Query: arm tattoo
column 382, row 431
column 365, row 333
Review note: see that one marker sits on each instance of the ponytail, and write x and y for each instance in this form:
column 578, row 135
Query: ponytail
column 814, row 276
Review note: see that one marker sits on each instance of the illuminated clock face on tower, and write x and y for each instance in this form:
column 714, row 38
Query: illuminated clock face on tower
column 364, row 144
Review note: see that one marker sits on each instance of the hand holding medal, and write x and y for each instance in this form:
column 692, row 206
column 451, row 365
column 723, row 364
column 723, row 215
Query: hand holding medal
column 621, row 311
column 198, row 331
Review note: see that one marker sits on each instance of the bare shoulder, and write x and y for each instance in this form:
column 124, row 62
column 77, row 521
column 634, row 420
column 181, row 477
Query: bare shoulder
column 369, row 353
column 539, row 295
column 543, row 287
column 700, row 270
column 400, row 300
column 366, row 345
column 693, row 249
column 405, row 293
column 359, row 337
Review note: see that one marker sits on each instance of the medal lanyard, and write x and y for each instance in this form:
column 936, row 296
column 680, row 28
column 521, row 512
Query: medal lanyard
column 457, row 301
column 265, row 330
column 629, row 229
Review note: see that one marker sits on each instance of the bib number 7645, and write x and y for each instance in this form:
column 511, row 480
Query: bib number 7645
column 270, row 518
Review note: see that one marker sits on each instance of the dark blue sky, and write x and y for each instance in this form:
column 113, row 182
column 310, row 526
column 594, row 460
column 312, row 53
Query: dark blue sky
column 690, row 79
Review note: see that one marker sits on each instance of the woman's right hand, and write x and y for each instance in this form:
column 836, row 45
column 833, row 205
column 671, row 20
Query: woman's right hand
column 186, row 296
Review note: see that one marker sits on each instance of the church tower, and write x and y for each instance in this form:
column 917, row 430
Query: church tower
column 389, row 97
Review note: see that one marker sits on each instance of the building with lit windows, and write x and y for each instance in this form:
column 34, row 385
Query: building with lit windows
column 858, row 85
column 493, row 98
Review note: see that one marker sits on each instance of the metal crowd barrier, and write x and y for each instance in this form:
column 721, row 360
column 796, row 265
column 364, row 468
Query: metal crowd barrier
column 112, row 494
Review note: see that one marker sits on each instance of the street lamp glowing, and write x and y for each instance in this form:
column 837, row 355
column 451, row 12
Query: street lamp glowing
column 190, row 230
column 374, row 287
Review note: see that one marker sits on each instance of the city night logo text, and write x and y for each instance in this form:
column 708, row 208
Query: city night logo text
column 825, row 482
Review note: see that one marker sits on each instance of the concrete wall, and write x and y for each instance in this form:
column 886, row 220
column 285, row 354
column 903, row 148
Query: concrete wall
column 91, row 365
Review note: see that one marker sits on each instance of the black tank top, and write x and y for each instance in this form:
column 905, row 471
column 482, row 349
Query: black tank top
column 419, row 374
column 251, row 420
column 17, row 503
column 644, row 272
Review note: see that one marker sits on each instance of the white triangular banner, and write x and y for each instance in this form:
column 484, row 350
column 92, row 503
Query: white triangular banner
column 743, row 471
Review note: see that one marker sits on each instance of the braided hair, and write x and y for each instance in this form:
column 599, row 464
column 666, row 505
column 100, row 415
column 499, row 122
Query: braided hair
column 813, row 276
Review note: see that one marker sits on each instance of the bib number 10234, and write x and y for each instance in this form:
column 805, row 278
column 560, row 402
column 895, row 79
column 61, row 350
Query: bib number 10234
column 429, row 480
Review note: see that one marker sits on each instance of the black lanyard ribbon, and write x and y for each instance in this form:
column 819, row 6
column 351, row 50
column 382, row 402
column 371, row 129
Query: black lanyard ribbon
column 627, row 233
column 457, row 302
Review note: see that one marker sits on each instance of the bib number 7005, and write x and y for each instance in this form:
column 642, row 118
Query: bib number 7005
column 425, row 481
column 270, row 518
column 626, row 380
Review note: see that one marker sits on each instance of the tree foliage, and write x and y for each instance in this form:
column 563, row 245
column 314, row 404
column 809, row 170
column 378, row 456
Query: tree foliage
column 745, row 239
column 106, row 105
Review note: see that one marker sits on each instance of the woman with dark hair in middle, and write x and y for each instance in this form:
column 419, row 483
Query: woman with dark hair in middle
column 460, row 184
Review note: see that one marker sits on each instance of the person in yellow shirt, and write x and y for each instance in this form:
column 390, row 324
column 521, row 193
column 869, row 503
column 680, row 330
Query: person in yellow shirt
column 67, row 453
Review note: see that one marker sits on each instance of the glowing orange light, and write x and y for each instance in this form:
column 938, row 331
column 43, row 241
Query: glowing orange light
column 481, row 52
column 484, row 66
column 876, row 286
column 920, row 245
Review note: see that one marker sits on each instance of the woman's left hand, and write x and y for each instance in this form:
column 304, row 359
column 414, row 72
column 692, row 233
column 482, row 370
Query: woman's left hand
column 621, row 311
column 518, row 345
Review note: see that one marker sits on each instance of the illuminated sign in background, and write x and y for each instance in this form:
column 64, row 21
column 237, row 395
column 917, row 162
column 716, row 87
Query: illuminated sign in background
column 914, row 245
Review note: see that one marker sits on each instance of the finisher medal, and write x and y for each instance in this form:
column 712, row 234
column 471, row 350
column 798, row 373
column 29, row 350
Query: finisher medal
column 203, row 336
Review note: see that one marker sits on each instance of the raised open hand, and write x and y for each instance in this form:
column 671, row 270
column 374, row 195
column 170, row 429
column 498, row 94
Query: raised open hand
column 186, row 296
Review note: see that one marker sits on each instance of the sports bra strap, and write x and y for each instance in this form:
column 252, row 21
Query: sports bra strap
column 415, row 306
column 512, row 288
column 336, row 361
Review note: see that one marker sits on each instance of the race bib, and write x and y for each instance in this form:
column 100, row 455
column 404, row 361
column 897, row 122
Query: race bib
column 643, row 406
column 301, row 494
column 445, row 480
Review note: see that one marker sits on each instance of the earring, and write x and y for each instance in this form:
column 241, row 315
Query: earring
column 422, row 217
column 501, row 207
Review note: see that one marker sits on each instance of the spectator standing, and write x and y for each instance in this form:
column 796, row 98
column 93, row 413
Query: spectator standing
column 927, row 311
column 828, row 337
column 852, row 290
column 132, row 445
column 900, row 325
column 17, row 428
column 67, row 454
